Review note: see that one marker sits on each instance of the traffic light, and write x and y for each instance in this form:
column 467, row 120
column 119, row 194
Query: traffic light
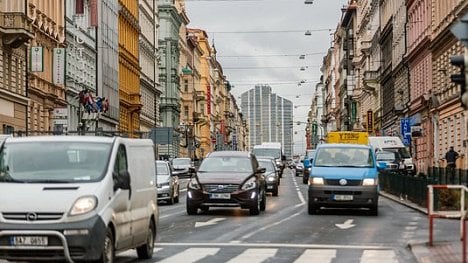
column 461, row 78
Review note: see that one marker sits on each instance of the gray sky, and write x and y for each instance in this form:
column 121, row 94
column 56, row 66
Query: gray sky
column 259, row 41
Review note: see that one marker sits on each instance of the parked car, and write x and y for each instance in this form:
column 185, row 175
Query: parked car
column 271, row 175
column 227, row 179
column 167, row 182
column 183, row 167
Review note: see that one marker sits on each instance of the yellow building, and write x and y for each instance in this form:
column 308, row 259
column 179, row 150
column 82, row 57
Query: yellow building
column 129, row 68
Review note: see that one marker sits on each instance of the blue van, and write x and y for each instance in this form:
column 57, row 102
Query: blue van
column 344, row 175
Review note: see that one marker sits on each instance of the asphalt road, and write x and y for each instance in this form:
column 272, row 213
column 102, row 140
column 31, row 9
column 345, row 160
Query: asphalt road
column 286, row 233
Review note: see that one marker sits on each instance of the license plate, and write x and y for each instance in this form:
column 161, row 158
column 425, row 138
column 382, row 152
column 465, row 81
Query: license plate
column 270, row 187
column 29, row 241
column 220, row 196
column 343, row 197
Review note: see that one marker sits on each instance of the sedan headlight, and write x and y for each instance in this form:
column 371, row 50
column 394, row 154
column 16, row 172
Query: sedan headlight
column 249, row 184
column 193, row 184
column 271, row 178
column 369, row 181
column 83, row 205
column 316, row 181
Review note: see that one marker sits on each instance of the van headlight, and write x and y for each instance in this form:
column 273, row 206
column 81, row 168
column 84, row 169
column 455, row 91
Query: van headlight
column 249, row 184
column 316, row 181
column 83, row 205
column 193, row 184
column 369, row 181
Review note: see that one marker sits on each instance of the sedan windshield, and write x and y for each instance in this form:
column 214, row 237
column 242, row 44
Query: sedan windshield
column 162, row 169
column 267, row 164
column 58, row 162
column 344, row 157
column 226, row 164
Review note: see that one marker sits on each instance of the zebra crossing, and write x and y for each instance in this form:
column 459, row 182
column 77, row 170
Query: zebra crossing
column 239, row 254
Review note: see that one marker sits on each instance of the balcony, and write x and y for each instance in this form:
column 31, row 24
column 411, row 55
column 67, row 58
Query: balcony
column 16, row 29
column 200, row 95
column 371, row 79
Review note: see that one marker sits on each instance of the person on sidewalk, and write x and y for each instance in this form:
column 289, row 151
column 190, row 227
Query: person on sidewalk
column 451, row 157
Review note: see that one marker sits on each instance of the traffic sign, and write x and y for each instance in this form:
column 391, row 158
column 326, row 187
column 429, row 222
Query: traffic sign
column 405, row 130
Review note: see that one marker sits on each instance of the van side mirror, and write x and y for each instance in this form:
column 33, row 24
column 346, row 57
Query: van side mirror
column 381, row 165
column 122, row 181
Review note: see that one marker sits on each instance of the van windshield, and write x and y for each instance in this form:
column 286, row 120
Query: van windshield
column 344, row 157
column 58, row 162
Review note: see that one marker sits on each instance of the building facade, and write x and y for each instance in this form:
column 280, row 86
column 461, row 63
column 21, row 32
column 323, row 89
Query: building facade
column 46, row 82
column 149, row 75
column 81, row 65
column 15, row 32
column 269, row 117
column 108, row 62
column 129, row 67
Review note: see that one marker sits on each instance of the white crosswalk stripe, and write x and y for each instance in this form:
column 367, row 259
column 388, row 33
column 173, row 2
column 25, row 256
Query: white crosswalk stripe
column 381, row 256
column 254, row 255
column 190, row 255
column 317, row 255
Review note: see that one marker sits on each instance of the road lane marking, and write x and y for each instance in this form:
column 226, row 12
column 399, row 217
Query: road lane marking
column 254, row 255
column 299, row 193
column 191, row 255
column 210, row 222
column 317, row 255
column 381, row 256
column 273, row 245
column 270, row 225
column 346, row 225
column 173, row 214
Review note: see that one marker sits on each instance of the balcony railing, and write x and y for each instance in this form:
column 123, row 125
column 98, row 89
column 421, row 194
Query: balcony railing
column 200, row 95
column 16, row 29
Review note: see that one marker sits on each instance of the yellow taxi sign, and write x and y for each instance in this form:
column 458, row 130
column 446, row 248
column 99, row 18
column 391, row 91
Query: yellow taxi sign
column 348, row 137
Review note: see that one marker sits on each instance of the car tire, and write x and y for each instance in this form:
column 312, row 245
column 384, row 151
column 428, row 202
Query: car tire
column 275, row 191
column 146, row 251
column 263, row 202
column 255, row 208
column 312, row 209
column 374, row 210
column 205, row 209
column 305, row 179
column 108, row 250
column 191, row 209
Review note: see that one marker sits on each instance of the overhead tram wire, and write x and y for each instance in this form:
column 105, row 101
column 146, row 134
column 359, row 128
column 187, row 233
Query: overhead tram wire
column 270, row 55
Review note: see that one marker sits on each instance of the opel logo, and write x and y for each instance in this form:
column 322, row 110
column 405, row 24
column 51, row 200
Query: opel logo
column 31, row 216
column 343, row 182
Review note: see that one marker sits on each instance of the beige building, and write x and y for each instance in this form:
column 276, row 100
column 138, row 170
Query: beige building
column 15, row 33
column 449, row 116
column 46, row 89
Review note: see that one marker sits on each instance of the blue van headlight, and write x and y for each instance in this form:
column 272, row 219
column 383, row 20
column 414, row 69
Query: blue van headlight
column 369, row 181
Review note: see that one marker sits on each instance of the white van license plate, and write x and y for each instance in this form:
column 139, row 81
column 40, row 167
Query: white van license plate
column 343, row 197
column 29, row 241
column 220, row 196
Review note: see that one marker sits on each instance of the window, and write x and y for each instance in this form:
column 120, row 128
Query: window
column 186, row 85
column 121, row 161
column 186, row 112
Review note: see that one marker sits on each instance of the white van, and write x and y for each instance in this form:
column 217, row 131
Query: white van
column 393, row 144
column 76, row 198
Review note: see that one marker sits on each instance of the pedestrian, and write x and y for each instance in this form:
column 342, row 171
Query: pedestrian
column 451, row 158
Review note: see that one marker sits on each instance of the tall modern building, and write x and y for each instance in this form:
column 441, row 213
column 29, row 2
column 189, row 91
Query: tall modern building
column 269, row 116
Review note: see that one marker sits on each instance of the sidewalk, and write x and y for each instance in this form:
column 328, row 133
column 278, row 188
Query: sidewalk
column 441, row 251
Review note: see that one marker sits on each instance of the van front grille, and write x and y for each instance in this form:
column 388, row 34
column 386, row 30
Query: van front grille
column 32, row 216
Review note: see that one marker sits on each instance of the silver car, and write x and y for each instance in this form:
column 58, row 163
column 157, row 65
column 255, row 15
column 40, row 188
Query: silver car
column 167, row 182
column 271, row 175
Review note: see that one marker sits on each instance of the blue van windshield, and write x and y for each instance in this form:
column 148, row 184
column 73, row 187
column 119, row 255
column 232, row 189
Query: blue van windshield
column 344, row 157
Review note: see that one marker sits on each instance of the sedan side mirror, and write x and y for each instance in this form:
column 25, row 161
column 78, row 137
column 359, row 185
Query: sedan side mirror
column 381, row 165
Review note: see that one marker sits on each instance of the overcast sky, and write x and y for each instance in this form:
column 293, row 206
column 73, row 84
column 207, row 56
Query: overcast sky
column 259, row 42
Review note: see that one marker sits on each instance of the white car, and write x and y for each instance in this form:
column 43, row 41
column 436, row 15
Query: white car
column 167, row 182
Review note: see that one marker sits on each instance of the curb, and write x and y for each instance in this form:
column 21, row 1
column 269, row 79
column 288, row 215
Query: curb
column 404, row 202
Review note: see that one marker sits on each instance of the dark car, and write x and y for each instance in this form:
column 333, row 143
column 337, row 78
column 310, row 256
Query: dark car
column 227, row 179
column 183, row 167
column 271, row 175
